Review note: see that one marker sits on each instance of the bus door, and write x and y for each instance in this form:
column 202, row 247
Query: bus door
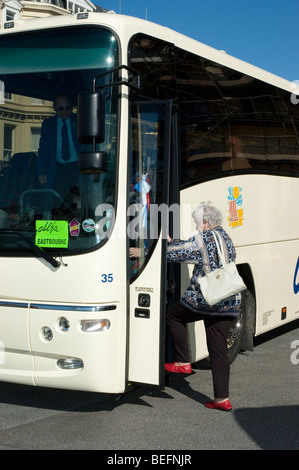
column 148, row 184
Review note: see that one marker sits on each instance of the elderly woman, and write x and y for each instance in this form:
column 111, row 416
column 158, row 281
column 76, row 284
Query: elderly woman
column 201, row 251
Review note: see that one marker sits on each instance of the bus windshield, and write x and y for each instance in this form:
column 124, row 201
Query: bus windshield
column 44, row 201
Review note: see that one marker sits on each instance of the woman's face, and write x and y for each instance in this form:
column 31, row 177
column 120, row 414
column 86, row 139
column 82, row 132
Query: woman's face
column 201, row 226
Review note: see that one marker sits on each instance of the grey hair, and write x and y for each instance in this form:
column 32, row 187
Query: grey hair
column 206, row 212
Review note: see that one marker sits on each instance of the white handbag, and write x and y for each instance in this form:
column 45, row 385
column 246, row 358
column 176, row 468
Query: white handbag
column 221, row 283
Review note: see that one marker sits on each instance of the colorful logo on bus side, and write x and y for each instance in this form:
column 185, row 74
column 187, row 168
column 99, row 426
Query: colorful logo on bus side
column 295, row 282
column 235, row 210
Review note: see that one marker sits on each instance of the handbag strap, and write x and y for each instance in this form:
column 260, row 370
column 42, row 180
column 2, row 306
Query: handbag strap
column 219, row 245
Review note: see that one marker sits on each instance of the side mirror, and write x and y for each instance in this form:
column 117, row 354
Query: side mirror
column 91, row 130
column 92, row 163
column 91, row 117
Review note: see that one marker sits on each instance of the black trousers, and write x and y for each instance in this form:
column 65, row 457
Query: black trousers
column 217, row 330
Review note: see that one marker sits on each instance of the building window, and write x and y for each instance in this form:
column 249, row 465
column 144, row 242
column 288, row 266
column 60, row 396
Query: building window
column 10, row 15
column 8, row 142
column 37, row 102
column 35, row 137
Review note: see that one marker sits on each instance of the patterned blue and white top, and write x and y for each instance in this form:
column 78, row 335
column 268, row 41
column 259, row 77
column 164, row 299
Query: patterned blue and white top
column 201, row 251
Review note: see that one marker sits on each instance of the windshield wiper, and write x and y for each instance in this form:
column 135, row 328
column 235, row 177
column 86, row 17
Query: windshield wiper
column 34, row 247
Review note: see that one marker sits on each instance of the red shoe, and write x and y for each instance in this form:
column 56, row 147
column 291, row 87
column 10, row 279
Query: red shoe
column 186, row 369
column 224, row 405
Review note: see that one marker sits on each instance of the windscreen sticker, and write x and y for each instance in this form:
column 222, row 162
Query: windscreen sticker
column 74, row 228
column 88, row 225
column 235, row 210
column 51, row 233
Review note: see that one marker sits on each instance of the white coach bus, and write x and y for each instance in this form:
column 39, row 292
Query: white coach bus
column 163, row 122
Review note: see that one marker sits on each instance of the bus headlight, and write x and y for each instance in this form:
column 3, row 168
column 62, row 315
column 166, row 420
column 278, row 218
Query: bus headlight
column 64, row 324
column 89, row 326
column 47, row 333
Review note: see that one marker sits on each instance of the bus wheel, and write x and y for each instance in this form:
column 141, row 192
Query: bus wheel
column 235, row 336
column 240, row 337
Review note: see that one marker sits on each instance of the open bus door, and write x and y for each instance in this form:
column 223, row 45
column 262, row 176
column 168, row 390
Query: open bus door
column 149, row 175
